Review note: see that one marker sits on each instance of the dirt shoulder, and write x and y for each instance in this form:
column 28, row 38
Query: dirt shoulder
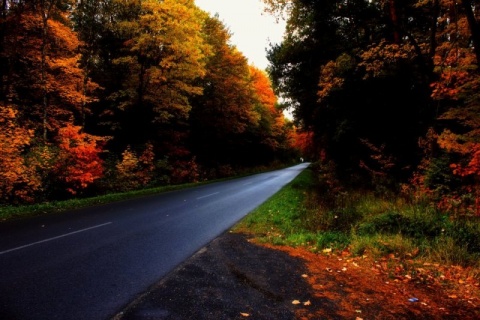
column 235, row 278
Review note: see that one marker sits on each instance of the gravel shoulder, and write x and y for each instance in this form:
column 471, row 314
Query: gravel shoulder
column 235, row 278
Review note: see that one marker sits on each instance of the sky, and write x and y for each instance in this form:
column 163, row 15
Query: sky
column 252, row 29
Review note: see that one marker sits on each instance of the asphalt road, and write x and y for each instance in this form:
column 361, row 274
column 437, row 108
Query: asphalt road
column 90, row 263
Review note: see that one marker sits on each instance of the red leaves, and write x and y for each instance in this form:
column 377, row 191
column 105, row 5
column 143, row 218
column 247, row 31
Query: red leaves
column 78, row 163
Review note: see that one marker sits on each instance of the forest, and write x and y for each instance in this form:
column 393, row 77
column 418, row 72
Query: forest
column 115, row 95
column 388, row 92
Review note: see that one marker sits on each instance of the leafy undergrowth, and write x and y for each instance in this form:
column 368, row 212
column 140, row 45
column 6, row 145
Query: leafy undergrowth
column 404, row 250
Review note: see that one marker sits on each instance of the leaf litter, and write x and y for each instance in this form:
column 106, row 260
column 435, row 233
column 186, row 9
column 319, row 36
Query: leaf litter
column 388, row 288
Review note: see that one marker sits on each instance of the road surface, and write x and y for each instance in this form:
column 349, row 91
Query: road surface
column 90, row 263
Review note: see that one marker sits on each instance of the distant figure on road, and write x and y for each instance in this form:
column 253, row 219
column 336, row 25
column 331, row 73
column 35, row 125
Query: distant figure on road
column 301, row 159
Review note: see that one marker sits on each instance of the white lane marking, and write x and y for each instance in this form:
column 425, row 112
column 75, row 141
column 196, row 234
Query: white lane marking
column 208, row 195
column 54, row 238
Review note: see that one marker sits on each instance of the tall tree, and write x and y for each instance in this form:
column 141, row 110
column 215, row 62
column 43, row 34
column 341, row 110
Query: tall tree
column 164, row 56
column 44, row 77
column 270, row 138
column 226, row 109
column 347, row 67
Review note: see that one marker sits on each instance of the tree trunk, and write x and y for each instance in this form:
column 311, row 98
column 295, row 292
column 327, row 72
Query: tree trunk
column 433, row 32
column 474, row 28
column 3, row 60
column 43, row 79
column 394, row 18
column 46, row 9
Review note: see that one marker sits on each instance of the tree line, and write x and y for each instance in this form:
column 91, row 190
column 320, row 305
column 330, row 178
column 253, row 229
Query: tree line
column 111, row 95
column 389, row 92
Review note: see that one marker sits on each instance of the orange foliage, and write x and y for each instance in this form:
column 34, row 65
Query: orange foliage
column 17, row 179
column 48, row 91
column 78, row 163
column 332, row 75
column 450, row 83
column 470, row 152
column 263, row 88
column 302, row 141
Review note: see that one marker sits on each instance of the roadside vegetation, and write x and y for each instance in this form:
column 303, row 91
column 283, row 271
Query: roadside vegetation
column 310, row 213
column 88, row 108
column 9, row 212
column 24, row 211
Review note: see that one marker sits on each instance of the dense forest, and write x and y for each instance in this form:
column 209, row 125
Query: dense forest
column 389, row 92
column 113, row 95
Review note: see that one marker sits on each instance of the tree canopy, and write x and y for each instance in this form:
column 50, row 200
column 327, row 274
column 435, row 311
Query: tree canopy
column 110, row 95
column 388, row 89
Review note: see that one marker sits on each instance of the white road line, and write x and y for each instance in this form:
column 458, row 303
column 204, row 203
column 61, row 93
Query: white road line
column 54, row 238
column 208, row 195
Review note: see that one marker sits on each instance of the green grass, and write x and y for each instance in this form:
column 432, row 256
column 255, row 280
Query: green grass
column 19, row 212
column 281, row 219
column 364, row 223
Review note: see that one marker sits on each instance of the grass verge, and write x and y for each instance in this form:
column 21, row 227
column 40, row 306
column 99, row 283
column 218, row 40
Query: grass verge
column 8, row 212
column 20, row 212
column 363, row 224
column 281, row 219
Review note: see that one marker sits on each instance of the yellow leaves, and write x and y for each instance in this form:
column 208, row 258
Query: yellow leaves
column 134, row 171
column 332, row 75
column 167, row 55
column 306, row 303
column 128, row 164
column 377, row 58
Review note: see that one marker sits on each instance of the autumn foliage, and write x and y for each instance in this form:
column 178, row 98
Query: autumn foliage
column 18, row 181
column 101, row 96
column 389, row 90
column 78, row 162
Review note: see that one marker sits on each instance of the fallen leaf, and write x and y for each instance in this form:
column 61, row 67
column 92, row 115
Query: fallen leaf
column 304, row 275
column 327, row 250
column 243, row 314
column 328, row 269
column 307, row 303
column 296, row 302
